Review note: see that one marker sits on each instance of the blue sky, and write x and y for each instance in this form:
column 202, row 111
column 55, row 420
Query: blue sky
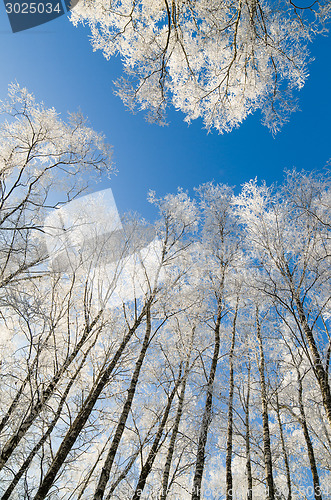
column 56, row 62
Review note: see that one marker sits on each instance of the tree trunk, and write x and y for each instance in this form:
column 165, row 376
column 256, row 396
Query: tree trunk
column 320, row 373
column 105, row 473
column 287, row 466
column 14, row 403
column 19, row 393
column 88, row 476
column 265, row 420
column 310, row 449
column 122, row 475
column 171, row 449
column 147, row 467
column 228, row 459
column 84, row 414
column 247, row 439
column 200, row 460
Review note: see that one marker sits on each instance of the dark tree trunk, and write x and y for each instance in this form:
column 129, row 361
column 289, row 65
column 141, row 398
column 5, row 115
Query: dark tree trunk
column 14, row 403
column 228, row 458
column 310, row 448
column 286, row 462
column 123, row 475
column 147, row 467
column 19, row 393
column 320, row 373
column 247, row 439
column 88, row 476
column 45, row 436
column 200, row 460
column 265, row 418
column 171, row 449
column 105, row 473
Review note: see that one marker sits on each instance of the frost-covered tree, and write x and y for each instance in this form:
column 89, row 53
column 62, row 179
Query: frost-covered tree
column 288, row 233
column 219, row 61
column 39, row 153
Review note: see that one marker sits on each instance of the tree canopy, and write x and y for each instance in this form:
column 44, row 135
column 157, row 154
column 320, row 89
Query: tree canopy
column 219, row 61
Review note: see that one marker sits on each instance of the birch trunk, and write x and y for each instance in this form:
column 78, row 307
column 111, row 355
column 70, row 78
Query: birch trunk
column 247, row 439
column 45, row 436
column 123, row 475
column 320, row 373
column 147, row 467
column 105, row 473
column 200, row 460
column 171, row 449
column 265, row 419
column 286, row 462
column 310, row 448
column 228, row 458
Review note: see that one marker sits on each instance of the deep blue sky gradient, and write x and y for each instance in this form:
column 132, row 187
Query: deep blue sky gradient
column 56, row 62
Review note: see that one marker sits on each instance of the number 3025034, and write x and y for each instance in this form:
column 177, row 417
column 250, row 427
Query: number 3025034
column 33, row 8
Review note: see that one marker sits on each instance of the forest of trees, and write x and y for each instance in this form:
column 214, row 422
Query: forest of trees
column 186, row 358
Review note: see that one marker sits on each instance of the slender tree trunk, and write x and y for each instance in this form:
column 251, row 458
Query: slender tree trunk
column 45, row 436
column 200, row 460
column 105, row 473
column 286, row 462
column 14, row 403
column 171, row 449
column 123, row 475
column 265, row 419
column 320, row 373
column 310, row 448
column 247, row 439
column 88, row 476
column 147, row 467
column 84, row 413
column 13, row 442
column 228, row 458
